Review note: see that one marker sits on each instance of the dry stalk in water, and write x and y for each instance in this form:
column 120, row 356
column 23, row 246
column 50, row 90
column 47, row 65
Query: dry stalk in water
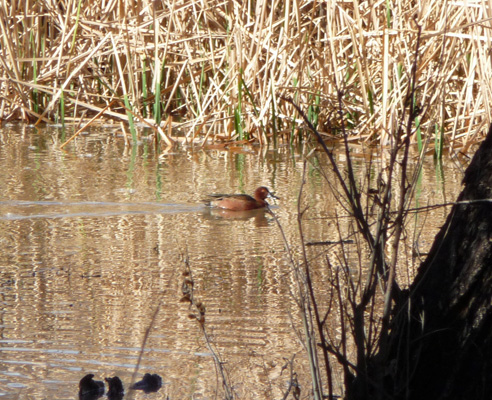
column 197, row 313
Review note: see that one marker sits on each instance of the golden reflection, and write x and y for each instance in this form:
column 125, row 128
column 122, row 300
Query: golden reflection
column 79, row 288
column 260, row 216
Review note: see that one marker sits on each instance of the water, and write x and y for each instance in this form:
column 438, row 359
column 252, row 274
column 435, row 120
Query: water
column 92, row 242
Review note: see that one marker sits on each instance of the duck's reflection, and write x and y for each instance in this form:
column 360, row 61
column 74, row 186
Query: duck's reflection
column 259, row 215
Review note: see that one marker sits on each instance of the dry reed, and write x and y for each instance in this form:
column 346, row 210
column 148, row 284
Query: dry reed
column 220, row 68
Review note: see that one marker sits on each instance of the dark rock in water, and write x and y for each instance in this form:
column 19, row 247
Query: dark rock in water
column 149, row 383
column 89, row 388
column 115, row 390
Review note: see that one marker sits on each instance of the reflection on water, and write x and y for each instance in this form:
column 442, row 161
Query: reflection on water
column 259, row 216
column 92, row 240
column 14, row 210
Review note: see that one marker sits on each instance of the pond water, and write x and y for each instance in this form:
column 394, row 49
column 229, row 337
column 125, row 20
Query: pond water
column 92, row 242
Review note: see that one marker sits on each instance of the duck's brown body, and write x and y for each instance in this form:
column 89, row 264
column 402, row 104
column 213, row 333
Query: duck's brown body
column 241, row 202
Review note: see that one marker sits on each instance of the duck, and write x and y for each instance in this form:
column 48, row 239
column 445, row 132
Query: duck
column 241, row 202
column 89, row 388
column 115, row 388
column 149, row 383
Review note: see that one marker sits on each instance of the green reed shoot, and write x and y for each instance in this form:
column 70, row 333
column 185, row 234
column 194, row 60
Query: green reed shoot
column 418, row 134
column 388, row 14
column 202, row 83
column 131, row 122
column 313, row 111
column 145, row 91
column 274, row 119
column 157, row 97
column 62, row 108
column 35, row 99
column 439, row 174
column 77, row 18
column 438, row 141
column 238, row 123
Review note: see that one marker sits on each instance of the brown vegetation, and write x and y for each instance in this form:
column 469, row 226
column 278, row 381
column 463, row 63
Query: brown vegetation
column 221, row 67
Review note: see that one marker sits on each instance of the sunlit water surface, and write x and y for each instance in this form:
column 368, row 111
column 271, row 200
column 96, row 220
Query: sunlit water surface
column 92, row 241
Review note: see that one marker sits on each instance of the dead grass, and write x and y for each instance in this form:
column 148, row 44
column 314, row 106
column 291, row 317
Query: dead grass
column 219, row 68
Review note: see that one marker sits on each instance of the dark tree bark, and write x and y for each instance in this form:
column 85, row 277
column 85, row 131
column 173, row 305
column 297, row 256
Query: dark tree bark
column 441, row 338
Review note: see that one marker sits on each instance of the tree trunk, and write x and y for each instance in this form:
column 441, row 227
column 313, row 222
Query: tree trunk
column 441, row 337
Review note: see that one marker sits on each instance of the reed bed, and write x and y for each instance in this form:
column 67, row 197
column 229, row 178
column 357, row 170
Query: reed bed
column 219, row 70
